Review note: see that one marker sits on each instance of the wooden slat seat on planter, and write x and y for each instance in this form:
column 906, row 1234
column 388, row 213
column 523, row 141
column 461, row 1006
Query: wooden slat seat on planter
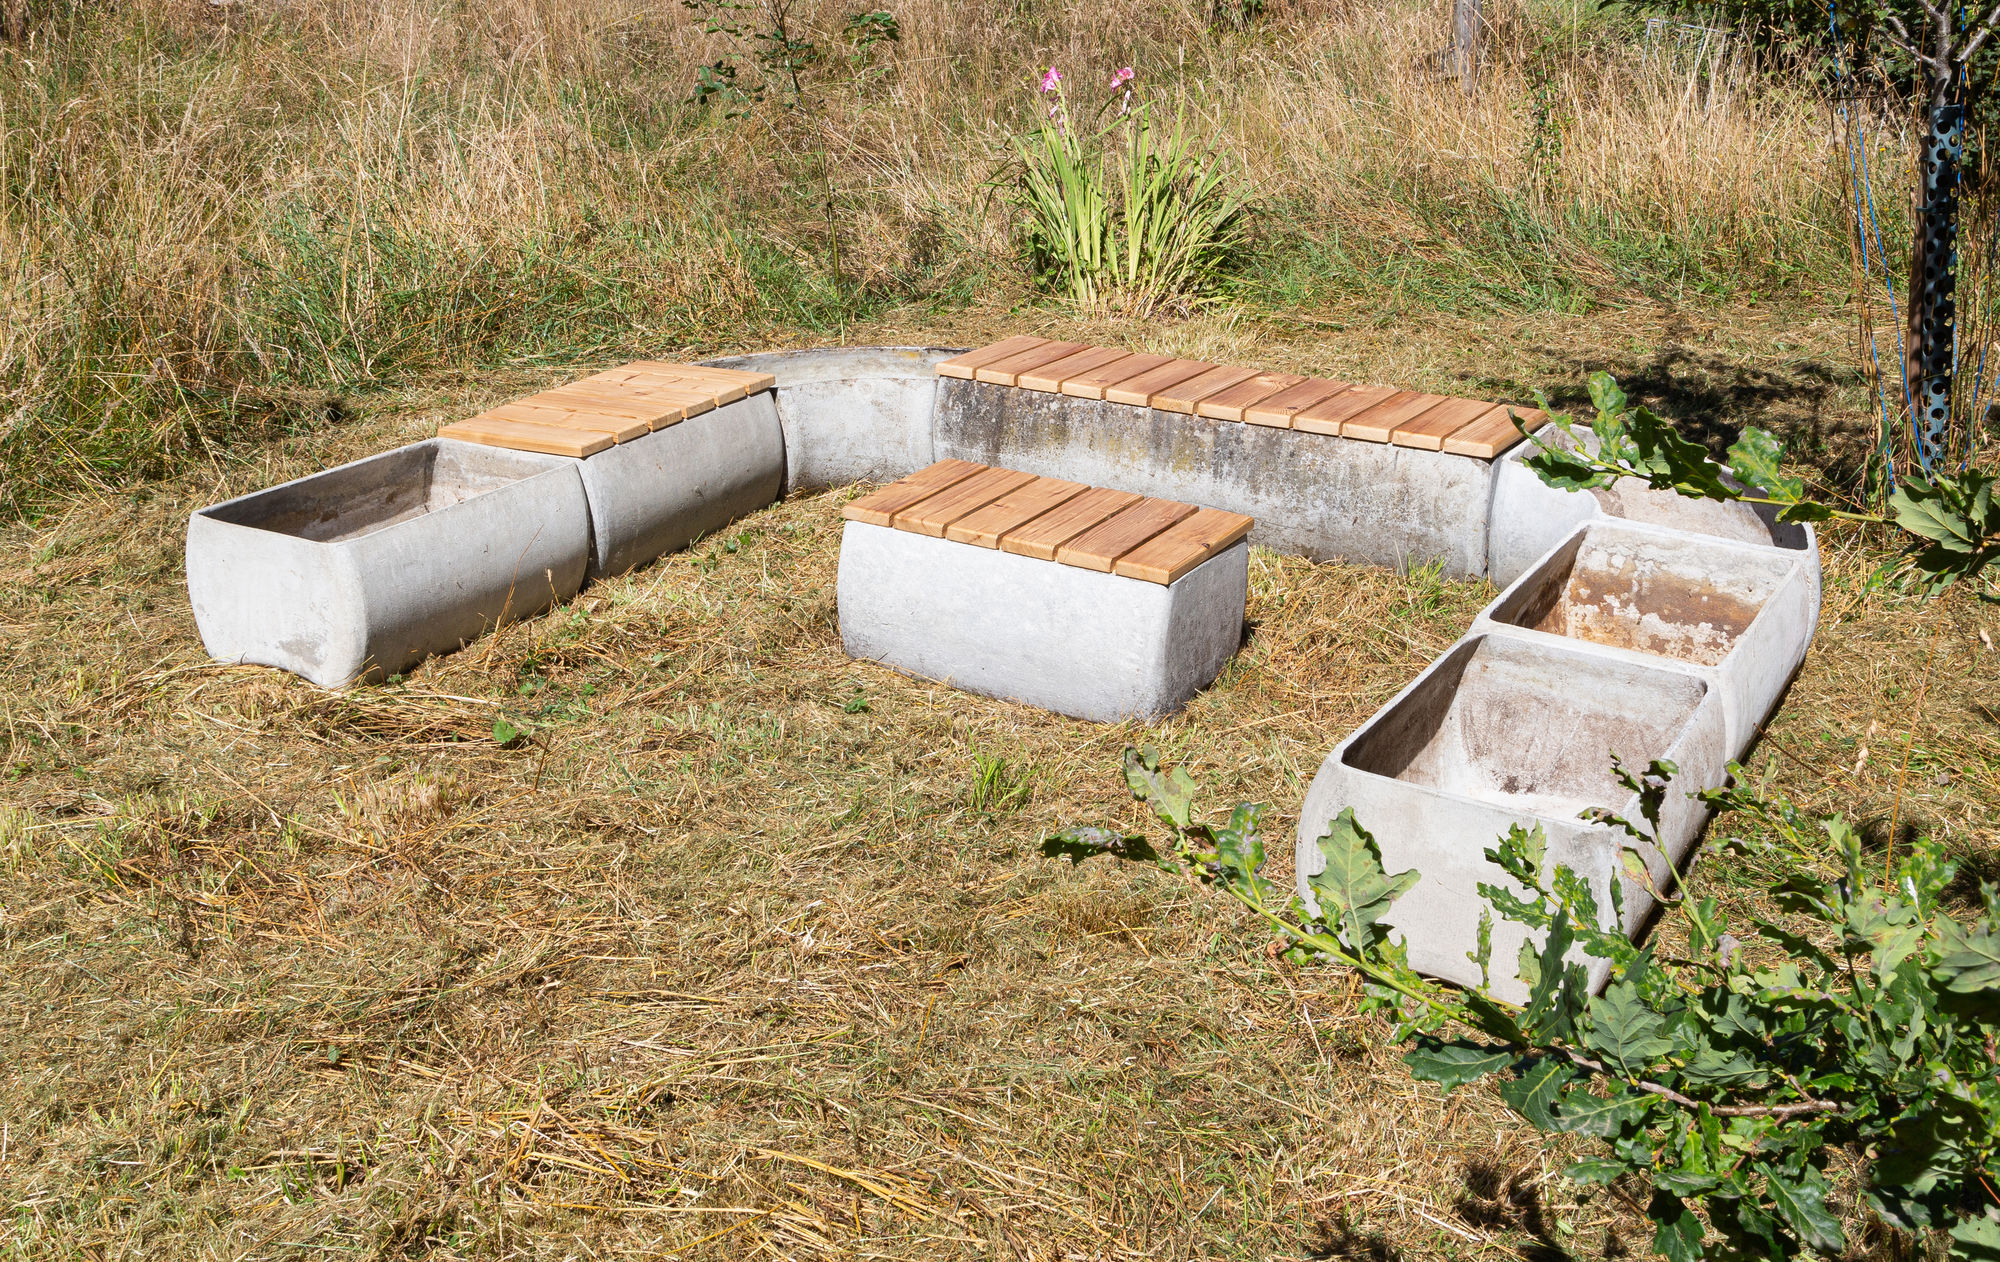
column 1089, row 601
column 607, row 408
column 1476, row 428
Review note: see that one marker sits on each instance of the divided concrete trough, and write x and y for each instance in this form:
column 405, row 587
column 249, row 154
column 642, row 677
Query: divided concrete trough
column 1082, row 643
column 365, row 569
column 1500, row 731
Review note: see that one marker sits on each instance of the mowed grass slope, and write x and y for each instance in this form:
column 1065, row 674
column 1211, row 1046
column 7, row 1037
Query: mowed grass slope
column 748, row 949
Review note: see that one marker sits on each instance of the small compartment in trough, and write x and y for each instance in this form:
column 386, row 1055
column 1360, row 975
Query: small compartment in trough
column 1517, row 724
column 365, row 569
column 1672, row 596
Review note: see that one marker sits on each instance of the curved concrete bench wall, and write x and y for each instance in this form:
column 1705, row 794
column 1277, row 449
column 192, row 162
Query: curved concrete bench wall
column 1637, row 619
column 851, row 414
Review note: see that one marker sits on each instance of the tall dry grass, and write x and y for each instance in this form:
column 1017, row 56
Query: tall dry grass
column 214, row 219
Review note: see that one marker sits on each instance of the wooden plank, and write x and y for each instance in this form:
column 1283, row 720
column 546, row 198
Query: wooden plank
column 1230, row 404
column 943, row 472
column 516, row 436
column 1185, row 396
column 1183, row 545
column 1093, row 384
column 963, row 366
column 706, row 381
column 1326, row 416
column 656, row 411
column 1491, row 434
column 880, row 506
column 1139, row 391
column 1429, row 430
column 931, row 515
column 619, row 429
column 1049, row 377
column 1377, row 423
column 1041, row 537
column 1280, row 408
column 1100, row 547
column 985, row 527
column 1003, row 371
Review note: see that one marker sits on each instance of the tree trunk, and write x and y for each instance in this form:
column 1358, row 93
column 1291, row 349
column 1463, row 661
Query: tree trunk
column 1466, row 28
column 1931, row 339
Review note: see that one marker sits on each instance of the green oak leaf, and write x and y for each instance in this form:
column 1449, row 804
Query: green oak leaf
column 1354, row 890
column 1756, row 459
column 1585, row 1114
column 1625, row 1030
column 1533, row 1094
column 1801, row 1205
column 1453, row 1064
column 1677, row 1231
column 1171, row 795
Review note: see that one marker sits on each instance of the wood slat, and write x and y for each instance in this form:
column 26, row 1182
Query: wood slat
column 963, row 366
column 1429, row 430
column 1185, row 396
column 1377, row 423
column 1280, row 408
column 1100, row 547
column 1326, row 416
column 1183, row 545
column 1230, row 404
column 1491, row 434
column 516, row 436
column 730, row 384
column 1003, row 372
column 1093, row 384
column 984, row 527
column 1049, row 377
column 943, row 472
column 620, row 429
column 931, row 515
column 1139, row 391
column 1041, row 537
column 880, row 506
column 671, row 402
column 651, row 412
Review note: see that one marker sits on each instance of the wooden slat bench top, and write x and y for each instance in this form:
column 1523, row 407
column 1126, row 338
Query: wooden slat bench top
column 1221, row 392
column 607, row 408
column 1092, row 528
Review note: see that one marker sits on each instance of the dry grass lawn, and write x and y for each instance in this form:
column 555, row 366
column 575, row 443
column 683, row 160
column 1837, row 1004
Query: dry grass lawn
column 749, row 949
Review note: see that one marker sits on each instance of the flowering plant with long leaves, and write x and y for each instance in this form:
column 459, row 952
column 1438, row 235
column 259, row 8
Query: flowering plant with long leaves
column 1121, row 211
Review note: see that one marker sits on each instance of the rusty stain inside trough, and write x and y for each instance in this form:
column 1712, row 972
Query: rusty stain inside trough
column 1662, row 596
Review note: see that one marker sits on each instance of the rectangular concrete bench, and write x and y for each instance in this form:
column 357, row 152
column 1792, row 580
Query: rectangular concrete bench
column 1329, row 469
column 1091, row 602
column 667, row 452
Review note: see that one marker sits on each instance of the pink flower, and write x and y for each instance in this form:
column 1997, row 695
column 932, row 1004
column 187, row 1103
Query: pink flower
column 1051, row 79
column 1122, row 78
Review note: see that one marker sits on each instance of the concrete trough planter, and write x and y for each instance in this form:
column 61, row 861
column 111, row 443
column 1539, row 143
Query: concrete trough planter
column 658, row 493
column 365, row 569
column 1738, row 615
column 1078, row 642
column 1505, row 730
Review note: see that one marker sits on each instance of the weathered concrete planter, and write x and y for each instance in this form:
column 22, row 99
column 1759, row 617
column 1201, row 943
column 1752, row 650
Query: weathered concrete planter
column 1313, row 495
column 1529, row 516
column 1738, row 615
column 851, row 414
column 1089, row 645
column 1504, row 730
column 365, row 569
column 660, row 492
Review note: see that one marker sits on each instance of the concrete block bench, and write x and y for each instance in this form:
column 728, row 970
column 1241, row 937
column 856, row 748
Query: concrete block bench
column 363, row 570
column 1329, row 469
column 1094, row 603
column 667, row 452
